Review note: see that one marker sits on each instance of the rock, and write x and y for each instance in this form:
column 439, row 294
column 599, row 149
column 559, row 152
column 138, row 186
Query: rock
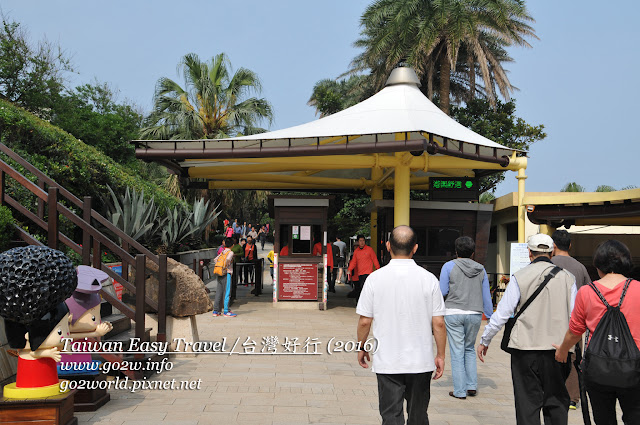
column 186, row 293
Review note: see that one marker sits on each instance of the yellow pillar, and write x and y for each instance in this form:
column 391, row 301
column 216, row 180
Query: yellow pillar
column 546, row 229
column 502, row 248
column 401, row 195
column 521, row 211
column 376, row 194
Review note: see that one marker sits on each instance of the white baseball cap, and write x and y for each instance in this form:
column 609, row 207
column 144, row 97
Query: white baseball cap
column 540, row 243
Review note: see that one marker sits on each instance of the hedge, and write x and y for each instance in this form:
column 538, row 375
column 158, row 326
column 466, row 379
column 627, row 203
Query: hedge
column 80, row 168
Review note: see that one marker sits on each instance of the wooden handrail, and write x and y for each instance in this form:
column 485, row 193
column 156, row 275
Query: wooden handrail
column 119, row 233
column 43, row 178
column 91, row 238
column 52, row 205
column 25, row 182
column 95, row 233
column 114, row 301
column 27, row 237
column 40, row 175
column 41, row 223
column 122, row 281
column 140, row 287
column 162, row 298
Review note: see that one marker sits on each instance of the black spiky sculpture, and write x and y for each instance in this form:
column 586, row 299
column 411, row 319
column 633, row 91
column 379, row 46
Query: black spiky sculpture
column 34, row 280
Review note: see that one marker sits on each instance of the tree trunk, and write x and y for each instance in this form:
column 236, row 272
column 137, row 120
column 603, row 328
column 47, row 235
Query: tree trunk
column 445, row 81
column 472, row 77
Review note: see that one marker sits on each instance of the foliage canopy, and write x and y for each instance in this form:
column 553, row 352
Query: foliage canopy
column 214, row 102
column 31, row 75
column 439, row 38
column 92, row 114
column 500, row 125
column 82, row 169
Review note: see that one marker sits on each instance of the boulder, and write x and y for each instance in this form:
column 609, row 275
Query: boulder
column 186, row 293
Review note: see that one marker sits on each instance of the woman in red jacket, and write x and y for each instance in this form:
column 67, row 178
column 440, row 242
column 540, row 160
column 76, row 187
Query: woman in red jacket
column 613, row 261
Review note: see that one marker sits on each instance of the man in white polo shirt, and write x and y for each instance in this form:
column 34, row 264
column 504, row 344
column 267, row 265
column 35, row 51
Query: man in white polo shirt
column 404, row 303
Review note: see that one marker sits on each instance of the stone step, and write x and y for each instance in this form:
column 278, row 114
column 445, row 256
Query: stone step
column 120, row 322
column 125, row 336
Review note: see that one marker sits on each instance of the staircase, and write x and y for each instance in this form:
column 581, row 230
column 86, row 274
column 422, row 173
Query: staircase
column 52, row 201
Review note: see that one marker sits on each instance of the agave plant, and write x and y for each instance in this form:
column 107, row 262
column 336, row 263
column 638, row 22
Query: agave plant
column 134, row 215
column 187, row 225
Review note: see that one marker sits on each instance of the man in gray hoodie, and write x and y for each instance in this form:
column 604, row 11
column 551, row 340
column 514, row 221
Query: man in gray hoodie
column 465, row 285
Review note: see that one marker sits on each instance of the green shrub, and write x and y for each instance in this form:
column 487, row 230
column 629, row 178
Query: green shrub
column 7, row 231
column 81, row 169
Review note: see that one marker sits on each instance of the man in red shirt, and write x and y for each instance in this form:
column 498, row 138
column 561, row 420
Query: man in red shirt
column 250, row 256
column 317, row 250
column 363, row 262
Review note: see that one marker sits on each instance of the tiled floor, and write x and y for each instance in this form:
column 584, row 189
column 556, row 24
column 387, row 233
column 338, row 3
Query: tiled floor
column 295, row 389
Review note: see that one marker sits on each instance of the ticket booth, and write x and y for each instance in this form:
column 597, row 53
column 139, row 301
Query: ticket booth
column 437, row 226
column 300, row 277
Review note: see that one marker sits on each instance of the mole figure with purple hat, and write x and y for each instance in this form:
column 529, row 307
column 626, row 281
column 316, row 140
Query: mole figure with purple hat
column 34, row 282
column 84, row 306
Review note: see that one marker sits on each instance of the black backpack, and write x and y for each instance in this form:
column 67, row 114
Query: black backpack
column 612, row 357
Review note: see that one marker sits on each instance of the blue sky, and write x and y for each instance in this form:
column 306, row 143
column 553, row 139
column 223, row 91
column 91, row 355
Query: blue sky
column 579, row 80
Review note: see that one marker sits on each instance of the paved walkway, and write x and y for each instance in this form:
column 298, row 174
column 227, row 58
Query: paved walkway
column 296, row 390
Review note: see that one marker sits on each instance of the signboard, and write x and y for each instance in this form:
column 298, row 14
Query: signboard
column 305, row 233
column 453, row 189
column 297, row 281
column 519, row 257
column 116, row 285
column 295, row 232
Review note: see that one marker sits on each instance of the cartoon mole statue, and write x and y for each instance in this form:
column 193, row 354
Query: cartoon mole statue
column 84, row 306
column 34, row 283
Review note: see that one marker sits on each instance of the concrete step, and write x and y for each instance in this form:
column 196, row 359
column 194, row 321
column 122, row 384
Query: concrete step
column 120, row 322
column 126, row 335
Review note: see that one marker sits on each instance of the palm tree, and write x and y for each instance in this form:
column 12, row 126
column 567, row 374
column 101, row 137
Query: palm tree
column 331, row 96
column 213, row 103
column 431, row 36
column 486, row 198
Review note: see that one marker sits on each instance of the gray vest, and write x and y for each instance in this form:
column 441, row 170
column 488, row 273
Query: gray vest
column 465, row 292
column 546, row 320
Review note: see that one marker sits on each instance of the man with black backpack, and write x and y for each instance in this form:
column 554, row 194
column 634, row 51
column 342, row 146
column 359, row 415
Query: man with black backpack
column 536, row 307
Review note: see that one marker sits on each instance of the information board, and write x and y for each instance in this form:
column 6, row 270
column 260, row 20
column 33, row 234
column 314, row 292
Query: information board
column 297, row 281
column 519, row 257
column 305, row 233
column 453, row 189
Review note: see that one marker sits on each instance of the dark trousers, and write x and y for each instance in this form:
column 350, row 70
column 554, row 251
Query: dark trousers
column 539, row 383
column 603, row 403
column 331, row 279
column 573, row 383
column 238, row 272
column 249, row 270
column 360, row 284
column 234, row 282
column 394, row 389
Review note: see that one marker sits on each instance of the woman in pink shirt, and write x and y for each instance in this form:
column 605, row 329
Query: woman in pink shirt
column 613, row 261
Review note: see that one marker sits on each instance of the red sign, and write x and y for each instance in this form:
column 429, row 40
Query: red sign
column 298, row 281
column 117, row 286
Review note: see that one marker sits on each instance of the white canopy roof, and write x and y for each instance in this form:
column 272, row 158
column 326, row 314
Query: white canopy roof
column 398, row 108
